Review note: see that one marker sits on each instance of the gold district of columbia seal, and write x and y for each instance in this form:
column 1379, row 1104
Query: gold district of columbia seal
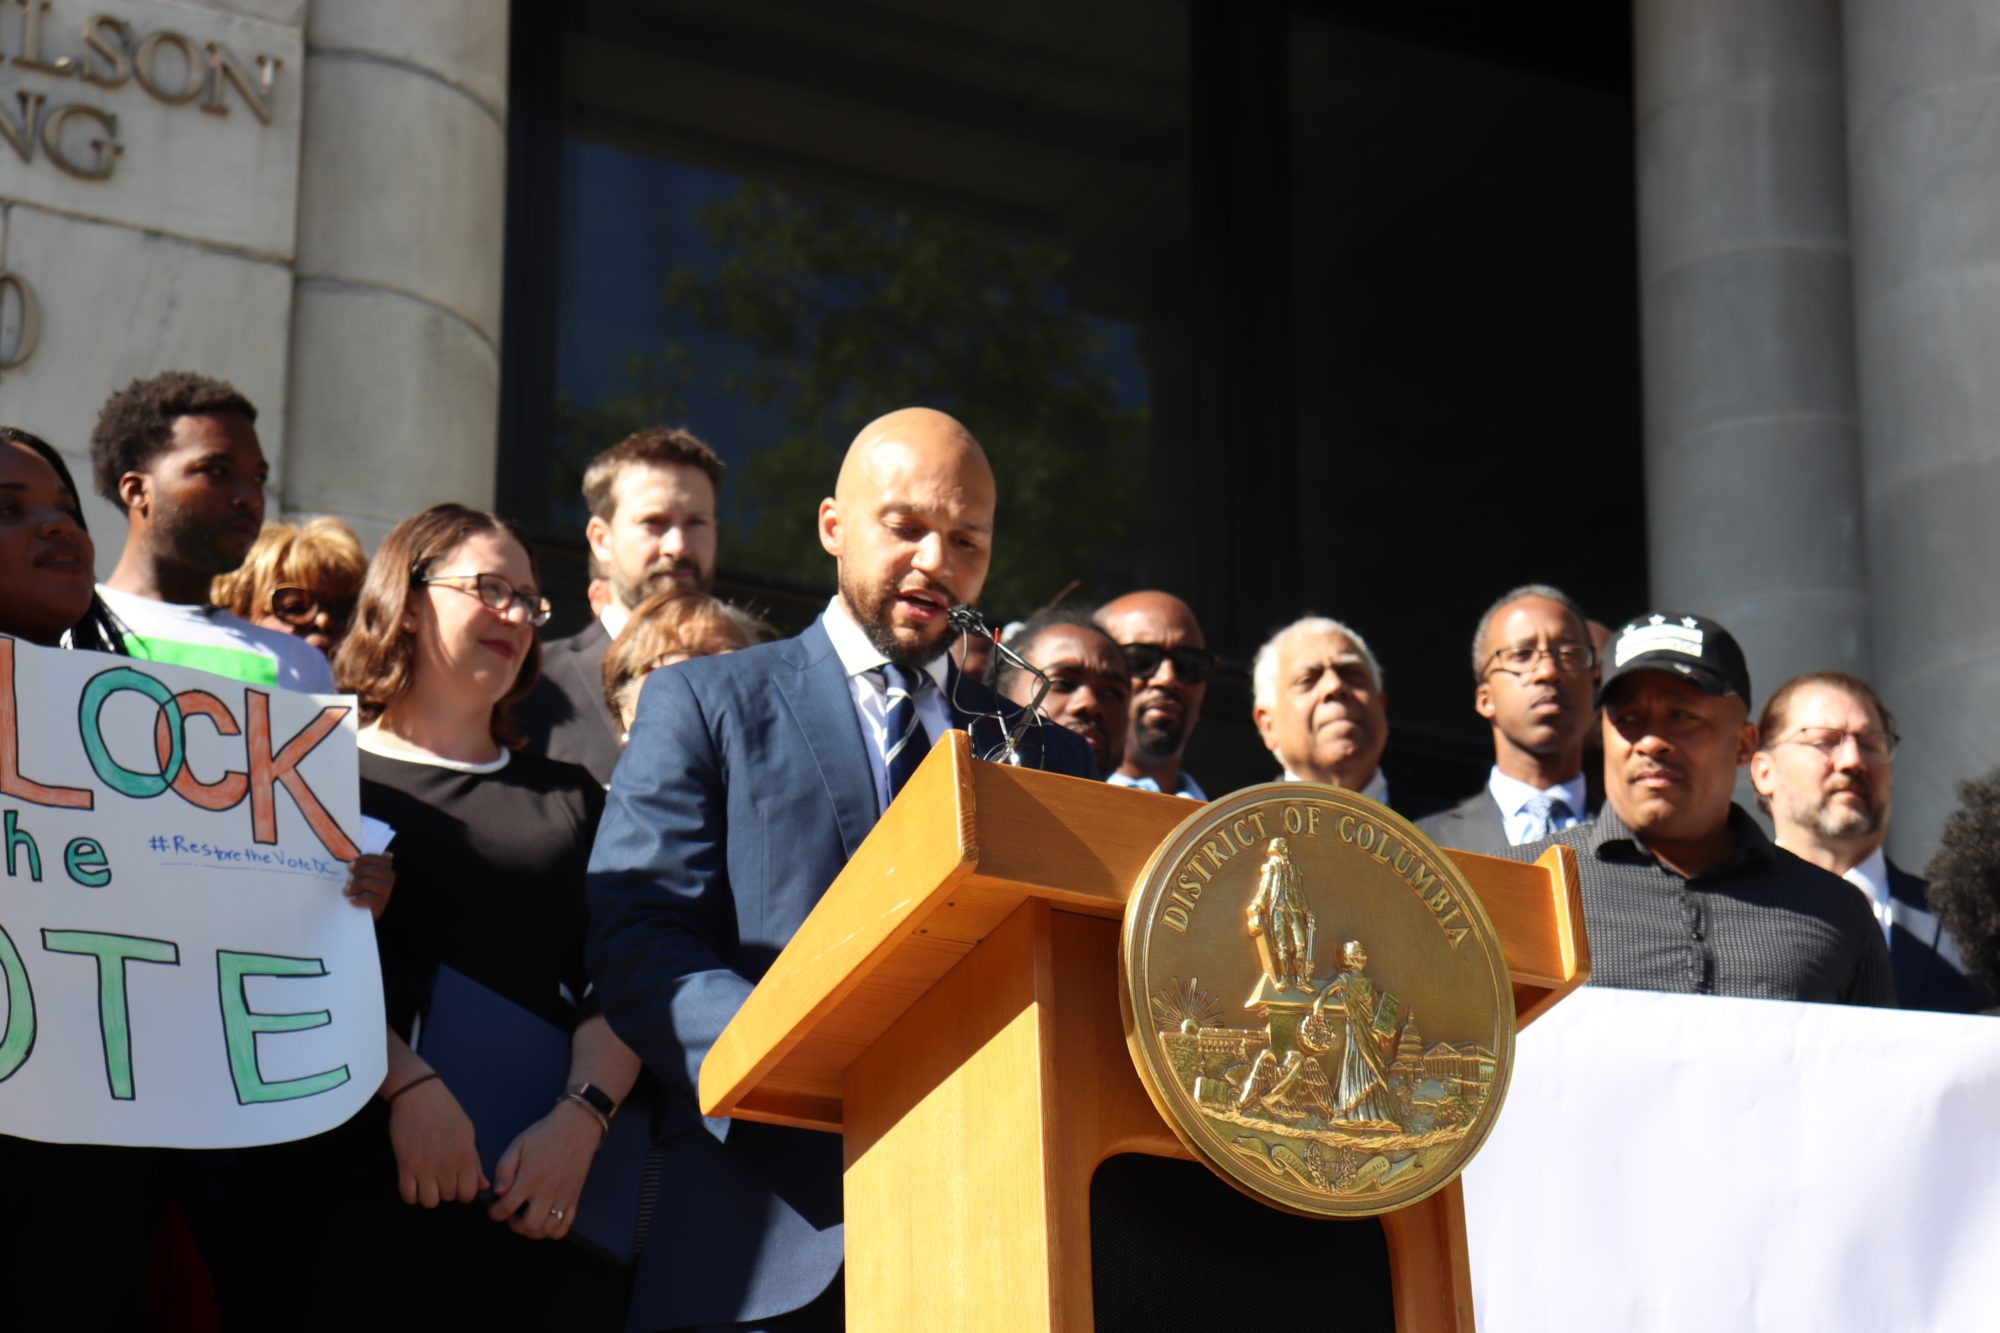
column 1315, row 1000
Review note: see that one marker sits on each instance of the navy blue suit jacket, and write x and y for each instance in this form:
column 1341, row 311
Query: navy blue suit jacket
column 743, row 792
column 1925, row 977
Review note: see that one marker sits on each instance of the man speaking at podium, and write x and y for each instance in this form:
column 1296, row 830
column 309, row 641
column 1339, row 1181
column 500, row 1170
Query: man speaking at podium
column 749, row 782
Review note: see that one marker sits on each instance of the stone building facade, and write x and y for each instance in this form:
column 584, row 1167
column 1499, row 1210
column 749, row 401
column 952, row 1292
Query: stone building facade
column 304, row 199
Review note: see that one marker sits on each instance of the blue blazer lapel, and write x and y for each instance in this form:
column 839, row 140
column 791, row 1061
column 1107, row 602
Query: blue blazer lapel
column 823, row 708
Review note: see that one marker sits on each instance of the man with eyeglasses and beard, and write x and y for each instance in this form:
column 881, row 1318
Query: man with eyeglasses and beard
column 1682, row 891
column 1170, row 664
column 1824, row 771
column 1533, row 671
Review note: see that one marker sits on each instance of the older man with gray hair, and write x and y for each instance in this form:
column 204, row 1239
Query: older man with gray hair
column 1320, row 707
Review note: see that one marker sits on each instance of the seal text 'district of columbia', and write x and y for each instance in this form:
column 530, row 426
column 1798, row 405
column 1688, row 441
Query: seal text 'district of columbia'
column 1231, row 837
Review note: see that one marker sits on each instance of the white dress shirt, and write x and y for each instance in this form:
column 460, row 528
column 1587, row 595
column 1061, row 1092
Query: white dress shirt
column 615, row 616
column 1512, row 796
column 1872, row 878
column 1375, row 789
column 862, row 661
column 1188, row 786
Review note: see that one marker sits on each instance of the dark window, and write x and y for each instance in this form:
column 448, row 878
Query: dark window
column 1285, row 307
column 773, row 222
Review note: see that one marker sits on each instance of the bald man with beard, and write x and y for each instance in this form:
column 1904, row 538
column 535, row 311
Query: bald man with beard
column 749, row 782
column 1170, row 665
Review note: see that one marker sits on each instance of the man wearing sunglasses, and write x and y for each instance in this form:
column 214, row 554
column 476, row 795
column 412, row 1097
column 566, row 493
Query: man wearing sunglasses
column 1170, row 664
column 1533, row 671
column 1824, row 770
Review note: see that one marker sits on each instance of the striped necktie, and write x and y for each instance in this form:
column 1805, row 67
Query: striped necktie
column 904, row 743
column 1542, row 811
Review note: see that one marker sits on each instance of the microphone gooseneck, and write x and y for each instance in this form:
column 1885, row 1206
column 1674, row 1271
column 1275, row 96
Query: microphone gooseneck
column 966, row 619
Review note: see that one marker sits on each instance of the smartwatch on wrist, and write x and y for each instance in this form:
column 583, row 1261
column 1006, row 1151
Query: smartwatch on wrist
column 595, row 1097
column 592, row 1099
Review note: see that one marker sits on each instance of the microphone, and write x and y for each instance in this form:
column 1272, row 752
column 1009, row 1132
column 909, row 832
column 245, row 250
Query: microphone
column 966, row 619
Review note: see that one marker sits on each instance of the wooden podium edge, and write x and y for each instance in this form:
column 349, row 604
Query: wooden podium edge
column 1538, row 910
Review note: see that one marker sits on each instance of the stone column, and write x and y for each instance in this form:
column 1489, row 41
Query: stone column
column 1923, row 113
column 1753, row 501
column 396, row 311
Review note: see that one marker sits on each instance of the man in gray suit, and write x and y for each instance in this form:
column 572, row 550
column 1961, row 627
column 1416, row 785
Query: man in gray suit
column 1533, row 672
column 652, row 501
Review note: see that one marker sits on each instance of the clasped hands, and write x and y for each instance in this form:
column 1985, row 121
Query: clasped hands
column 536, row 1182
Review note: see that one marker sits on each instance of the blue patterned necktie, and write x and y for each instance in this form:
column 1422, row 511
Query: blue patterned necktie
column 904, row 743
column 1542, row 811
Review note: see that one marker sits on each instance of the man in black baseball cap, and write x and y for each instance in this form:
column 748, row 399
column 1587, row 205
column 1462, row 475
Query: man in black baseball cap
column 1682, row 890
column 1694, row 648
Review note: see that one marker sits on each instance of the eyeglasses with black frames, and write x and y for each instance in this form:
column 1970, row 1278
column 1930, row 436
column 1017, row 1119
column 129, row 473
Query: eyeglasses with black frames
column 496, row 594
column 1521, row 658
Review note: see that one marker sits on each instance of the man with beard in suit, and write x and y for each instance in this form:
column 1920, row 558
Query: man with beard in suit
column 1825, row 770
column 652, row 501
column 750, row 781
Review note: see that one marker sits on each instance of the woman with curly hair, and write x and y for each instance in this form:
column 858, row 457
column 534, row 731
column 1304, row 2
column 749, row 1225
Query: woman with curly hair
column 1964, row 877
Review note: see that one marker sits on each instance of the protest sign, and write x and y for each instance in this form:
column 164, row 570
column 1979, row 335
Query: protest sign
column 178, row 966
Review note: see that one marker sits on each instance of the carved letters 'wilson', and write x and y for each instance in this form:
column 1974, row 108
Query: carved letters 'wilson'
column 41, row 68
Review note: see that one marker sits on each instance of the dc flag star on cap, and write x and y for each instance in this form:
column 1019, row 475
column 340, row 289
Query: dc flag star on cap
column 1692, row 647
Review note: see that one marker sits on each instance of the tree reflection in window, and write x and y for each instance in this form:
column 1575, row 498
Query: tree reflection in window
column 818, row 315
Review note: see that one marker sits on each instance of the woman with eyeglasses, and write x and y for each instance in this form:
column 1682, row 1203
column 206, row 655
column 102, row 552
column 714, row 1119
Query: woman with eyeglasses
column 298, row 580
column 491, row 844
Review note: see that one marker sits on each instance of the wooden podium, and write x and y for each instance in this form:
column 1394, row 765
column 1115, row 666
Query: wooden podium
column 951, row 1008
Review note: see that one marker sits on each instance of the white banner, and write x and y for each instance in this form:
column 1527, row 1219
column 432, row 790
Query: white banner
column 178, row 966
column 1686, row 1162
